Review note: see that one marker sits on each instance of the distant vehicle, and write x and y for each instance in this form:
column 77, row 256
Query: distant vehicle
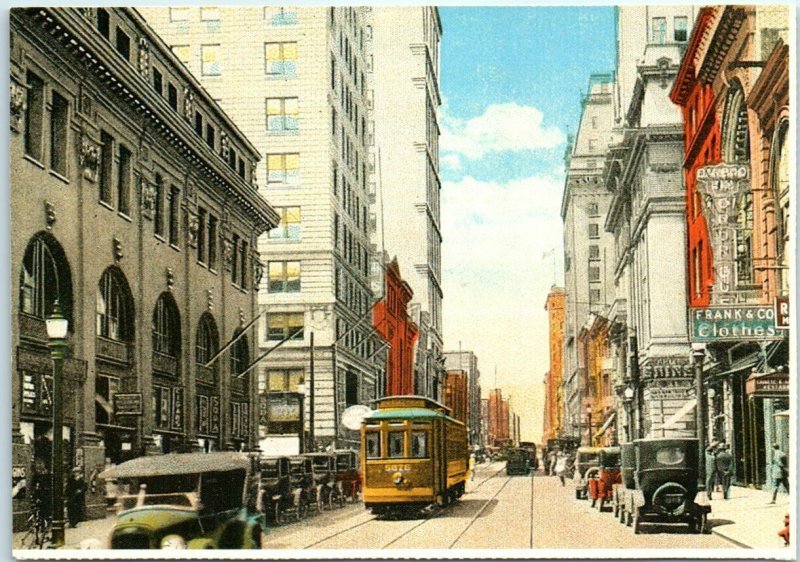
column 413, row 454
column 324, row 467
column 602, row 485
column 587, row 462
column 192, row 500
column 348, row 478
column 530, row 446
column 518, row 462
column 301, row 475
column 278, row 496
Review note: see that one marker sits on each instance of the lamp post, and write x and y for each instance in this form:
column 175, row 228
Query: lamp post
column 589, row 422
column 56, row 334
column 627, row 399
column 301, row 390
column 698, row 356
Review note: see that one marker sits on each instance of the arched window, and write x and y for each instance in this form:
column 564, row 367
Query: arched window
column 240, row 359
column 781, row 178
column 166, row 326
column 45, row 278
column 114, row 310
column 205, row 348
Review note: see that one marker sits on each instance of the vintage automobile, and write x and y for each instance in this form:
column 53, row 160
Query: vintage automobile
column 518, row 461
column 324, row 468
column 587, row 464
column 533, row 457
column 348, row 478
column 192, row 500
column 301, row 474
column 627, row 460
column 666, row 484
column 601, row 487
column 278, row 496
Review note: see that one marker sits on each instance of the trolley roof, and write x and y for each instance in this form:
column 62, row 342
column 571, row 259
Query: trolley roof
column 405, row 413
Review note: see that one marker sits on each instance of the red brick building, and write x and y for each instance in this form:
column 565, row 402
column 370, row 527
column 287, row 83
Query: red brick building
column 498, row 419
column 391, row 320
column 455, row 394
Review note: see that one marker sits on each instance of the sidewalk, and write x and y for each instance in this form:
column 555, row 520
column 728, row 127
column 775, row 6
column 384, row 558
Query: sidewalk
column 748, row 519
column 97, row 529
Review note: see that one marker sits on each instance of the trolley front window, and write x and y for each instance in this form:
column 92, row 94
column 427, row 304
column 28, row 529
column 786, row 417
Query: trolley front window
column 396, row 444
column 373, row 444
column 419, row 444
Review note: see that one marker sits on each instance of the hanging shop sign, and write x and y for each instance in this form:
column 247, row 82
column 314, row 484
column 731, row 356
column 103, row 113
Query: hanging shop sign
column 128, row 404
column 767, row 385
column 734, row 323
column 782, row 312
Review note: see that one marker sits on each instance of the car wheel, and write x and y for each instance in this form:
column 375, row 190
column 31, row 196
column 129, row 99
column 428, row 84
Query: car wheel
column 276, row 513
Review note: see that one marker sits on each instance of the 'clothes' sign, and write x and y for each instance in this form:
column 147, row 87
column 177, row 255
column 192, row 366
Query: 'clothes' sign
column 721, row 323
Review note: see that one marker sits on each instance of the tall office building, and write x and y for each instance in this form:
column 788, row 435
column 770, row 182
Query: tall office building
column 406, row 82
column 298, row 85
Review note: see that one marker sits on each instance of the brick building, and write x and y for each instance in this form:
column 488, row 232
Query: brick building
column 456, row 396
column 553, row 406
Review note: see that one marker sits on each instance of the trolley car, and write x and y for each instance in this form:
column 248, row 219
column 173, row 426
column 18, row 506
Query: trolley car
column 413, row 454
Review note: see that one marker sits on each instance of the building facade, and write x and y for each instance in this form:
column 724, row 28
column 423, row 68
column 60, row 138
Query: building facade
column 143, row 227
column 309, row 113
column 456, row 395
column 733, row 92
column 467, row 361
column 554, row 406
column 405, row 78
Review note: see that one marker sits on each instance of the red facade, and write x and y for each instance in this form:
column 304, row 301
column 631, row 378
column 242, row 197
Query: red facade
column 455, row 394
column 391, row 320
column 702, row 134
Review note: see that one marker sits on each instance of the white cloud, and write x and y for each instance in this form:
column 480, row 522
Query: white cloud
column 495, row 281
column 502, row 128
column 452, row 161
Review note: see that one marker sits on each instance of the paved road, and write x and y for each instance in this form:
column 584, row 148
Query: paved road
column 497, row 512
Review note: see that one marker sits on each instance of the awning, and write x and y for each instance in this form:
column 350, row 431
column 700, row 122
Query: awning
column 606, row 425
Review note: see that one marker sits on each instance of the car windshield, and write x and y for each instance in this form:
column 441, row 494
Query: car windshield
column 269, row 470
column 144, row 499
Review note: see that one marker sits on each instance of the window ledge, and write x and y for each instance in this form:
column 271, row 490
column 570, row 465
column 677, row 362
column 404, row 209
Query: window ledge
column 106, row 205
column 33, row 161
column 174, row 247
column 125, row 216
column 58, row 176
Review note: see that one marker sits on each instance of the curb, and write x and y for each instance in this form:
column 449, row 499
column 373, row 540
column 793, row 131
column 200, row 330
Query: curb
column 731, row 540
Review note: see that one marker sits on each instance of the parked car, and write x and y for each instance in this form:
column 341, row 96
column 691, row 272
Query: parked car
column 324, row 468
column 601, row 487
column 192, row 500
column 518, row 461
column 348, row 477
column 627, row 460
column 278, row 496
column 301, row 475
column 587, row 464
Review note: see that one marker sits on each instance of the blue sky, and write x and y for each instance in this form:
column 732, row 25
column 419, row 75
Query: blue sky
column 511, row 80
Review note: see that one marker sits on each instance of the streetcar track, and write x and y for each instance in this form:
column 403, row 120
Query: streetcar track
column 480, row 511
column 533, row 477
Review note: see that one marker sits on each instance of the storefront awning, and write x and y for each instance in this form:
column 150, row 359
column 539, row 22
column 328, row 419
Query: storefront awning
column 606, row 425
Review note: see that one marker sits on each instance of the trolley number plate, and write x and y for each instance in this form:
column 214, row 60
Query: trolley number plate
column 397, row 468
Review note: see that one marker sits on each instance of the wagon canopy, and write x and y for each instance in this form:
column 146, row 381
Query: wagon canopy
column 176, row 464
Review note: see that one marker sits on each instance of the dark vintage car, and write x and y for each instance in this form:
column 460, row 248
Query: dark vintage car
column 278, row 496
column 324, row 468
column 601, row 487
column 627, row 461
column 518, row 461
column 192, row 500
column 348, row 477
column 666, row 476
column 301, row 473
column 587, row 464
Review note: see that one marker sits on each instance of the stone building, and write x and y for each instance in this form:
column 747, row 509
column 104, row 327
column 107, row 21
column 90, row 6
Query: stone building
column 134, row 205
column 467, row 361
column 553, row 391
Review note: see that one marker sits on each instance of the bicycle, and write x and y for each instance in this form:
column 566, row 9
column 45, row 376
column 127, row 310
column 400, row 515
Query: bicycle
column 39, row 533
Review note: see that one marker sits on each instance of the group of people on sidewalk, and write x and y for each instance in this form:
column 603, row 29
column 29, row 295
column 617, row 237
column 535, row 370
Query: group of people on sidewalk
column 720, row 469
column 559, row 463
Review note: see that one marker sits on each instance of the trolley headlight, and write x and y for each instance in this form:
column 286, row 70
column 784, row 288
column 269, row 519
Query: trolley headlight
column 397, row 478
column 173, row 542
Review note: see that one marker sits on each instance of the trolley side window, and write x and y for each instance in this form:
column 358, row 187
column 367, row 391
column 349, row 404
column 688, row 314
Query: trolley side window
column 373, row 440
column 396, row 444
column 419, row 444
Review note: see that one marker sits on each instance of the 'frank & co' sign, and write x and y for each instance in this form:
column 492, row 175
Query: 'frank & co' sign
column 721, row 323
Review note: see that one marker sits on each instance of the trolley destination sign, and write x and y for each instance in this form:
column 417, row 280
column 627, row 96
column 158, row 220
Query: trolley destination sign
column 733, row 323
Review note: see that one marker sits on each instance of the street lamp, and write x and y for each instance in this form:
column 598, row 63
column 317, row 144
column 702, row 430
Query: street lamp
column 698, row 356
column 589, row 422
column 301, row 390
column 627, row 399
column 57, row 327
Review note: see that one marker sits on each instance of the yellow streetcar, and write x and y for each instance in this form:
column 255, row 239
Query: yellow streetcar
column 413, row 454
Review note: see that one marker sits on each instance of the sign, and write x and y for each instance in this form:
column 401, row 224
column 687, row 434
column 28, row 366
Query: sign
column 782, row 313
column 215, row 408
column 667, row 368
column 283, row 407
column 767, row 385
column 177, row 408
column 203, row 414
column 128, row 404
column 734, row 323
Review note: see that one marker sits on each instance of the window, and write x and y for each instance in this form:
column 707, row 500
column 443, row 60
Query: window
column 210, row 55
column 594, row 230
column 158, row 215
column 198, row 123
column 396, row 442
column 240, row 357
column 592, row 145
column 34, row 116
column 211, row 16
column 594, row 252
column 183, row 52
column 212, row 242
column 284, row 276
column 284, row 380
column 158, row 82
column 207, row 342
column 166, row 326
column 280, row 326
column 172, row 96
column 283, row 169
column 373, row 440
column 40, row 282
column 106, row 166
column 235, row 260
column 112, row 307
column 210, row 136
column 594, row 296
column 282, row 115
column 123, row 44
column 244, row 270
column 59, row 123
column 179, row 14
column 201, row 234
column 280, row 16
column 281, row 58
column 659, row 30
column 594, row 122
column 124, row 181
column 419, row 444
column 289, row 227
column 174, row 209
column 593, row 210
column 594, row 274
column 103, row 23
column 680, row 23
column 232, row 159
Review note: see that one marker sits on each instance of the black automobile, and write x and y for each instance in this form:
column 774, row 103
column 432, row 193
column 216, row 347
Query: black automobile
column 587, row 465
column 192, row 500
column 278, row 496
column 324, row 468
column 301, row 474
column 518, row 462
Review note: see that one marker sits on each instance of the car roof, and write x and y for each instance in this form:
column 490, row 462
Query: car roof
column 175, row 464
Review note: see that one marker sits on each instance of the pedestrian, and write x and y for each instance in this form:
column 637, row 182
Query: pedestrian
column 76, row 496
column 711, row 468
column 780, row 470
column 724, row 468
column 552, row 462
column 784, row 533
column 472, row 466
column 561, row 467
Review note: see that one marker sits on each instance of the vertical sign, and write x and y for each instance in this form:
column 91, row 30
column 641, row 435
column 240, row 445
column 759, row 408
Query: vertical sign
column 245, row 424
column 177, row 408
column 235, row 419
column 202, row 414
column 214, row 418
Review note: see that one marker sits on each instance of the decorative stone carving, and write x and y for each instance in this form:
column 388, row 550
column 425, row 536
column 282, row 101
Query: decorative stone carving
column 170, row 278
column 254, row 175
column 90, row 14
column 148, row 199
column 116, row 249
column 193, row 225
column 258, row 271
column 89, row 159
column 229, row 250
column 49, row 215
column 224, row 145
column 210, row 299
column 18, row 104
column 188, row 103
column 241, row 317
column 144, row 58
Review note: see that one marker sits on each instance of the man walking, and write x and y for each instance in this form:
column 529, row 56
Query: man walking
column 711, row 468
column 724, row 468
column 780, row 470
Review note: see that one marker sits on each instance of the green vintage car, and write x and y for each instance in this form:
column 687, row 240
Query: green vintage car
column 192, row 500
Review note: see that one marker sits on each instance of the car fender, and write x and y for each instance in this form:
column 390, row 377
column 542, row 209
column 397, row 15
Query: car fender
column 201, row 543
